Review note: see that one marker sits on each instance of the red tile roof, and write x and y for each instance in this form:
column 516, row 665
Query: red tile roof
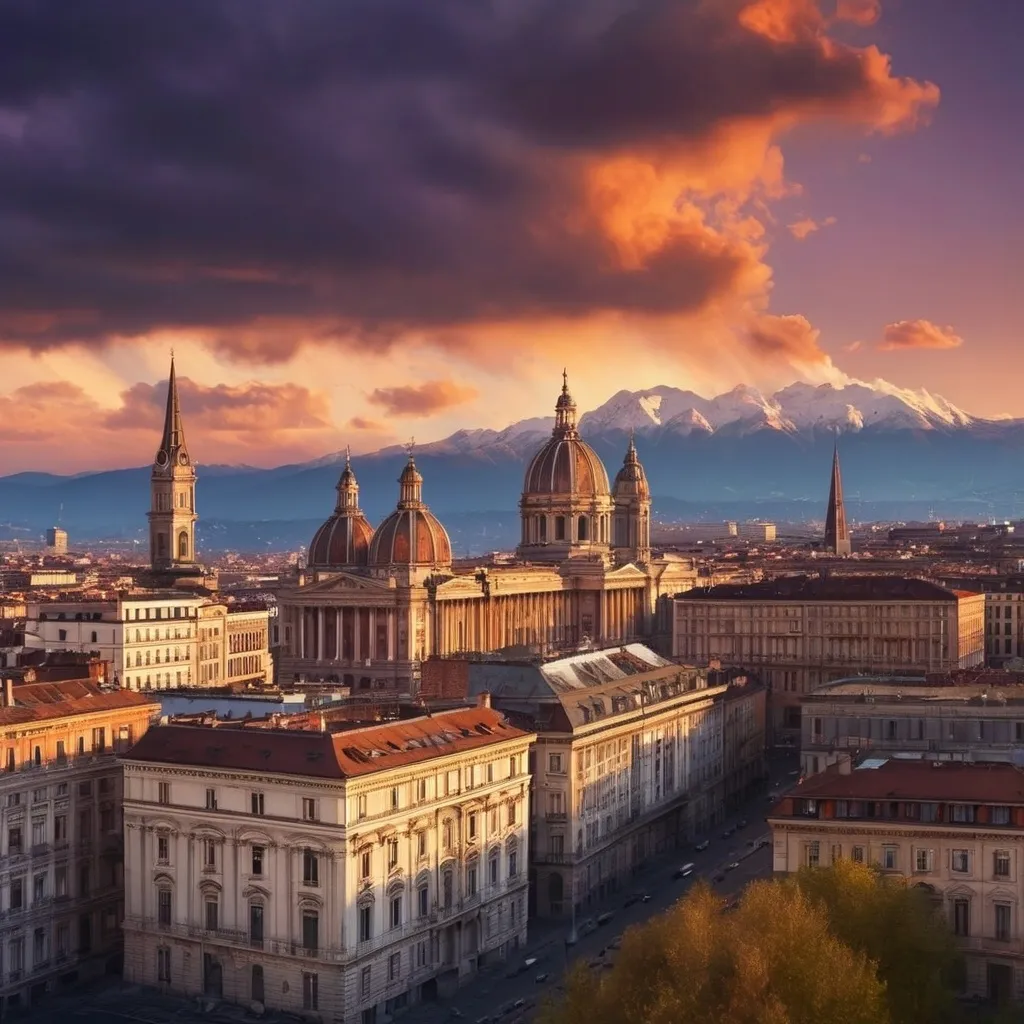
column 346, row 754
column 939, row 782
column 35, row 702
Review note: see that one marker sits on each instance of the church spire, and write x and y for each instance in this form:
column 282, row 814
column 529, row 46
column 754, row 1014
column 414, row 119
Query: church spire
column 837, row 534
column 173, row 439
column 565, row 409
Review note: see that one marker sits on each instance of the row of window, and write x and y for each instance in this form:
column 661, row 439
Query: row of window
column 96, row 743
column 17, row 887
column 923, row 811
column 959, row 861
column 41, row 834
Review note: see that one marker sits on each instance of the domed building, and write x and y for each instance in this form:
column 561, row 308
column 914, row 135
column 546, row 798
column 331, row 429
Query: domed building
column 412, row 535
column 343, row 541
column 372, row 610
column 566, row 506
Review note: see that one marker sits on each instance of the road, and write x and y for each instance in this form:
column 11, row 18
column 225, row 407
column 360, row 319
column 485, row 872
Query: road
column 492, row 990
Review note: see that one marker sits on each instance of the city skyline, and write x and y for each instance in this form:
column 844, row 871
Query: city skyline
column 348, row 244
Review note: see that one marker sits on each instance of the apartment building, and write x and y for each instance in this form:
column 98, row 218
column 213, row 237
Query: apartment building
column 956, row 830
column 628, row 760
column 975, row 715
column 61, row 866
column 161, row 641
column 797, row 632
column 342, row 875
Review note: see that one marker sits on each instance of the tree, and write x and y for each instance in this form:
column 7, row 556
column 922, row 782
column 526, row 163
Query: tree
column 898, row 927
column 773, row 960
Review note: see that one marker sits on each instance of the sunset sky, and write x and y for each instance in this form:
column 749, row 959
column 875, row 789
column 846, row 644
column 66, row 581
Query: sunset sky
column 360, row 220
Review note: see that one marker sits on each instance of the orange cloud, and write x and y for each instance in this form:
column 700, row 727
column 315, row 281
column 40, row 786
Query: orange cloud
column 362, row 423
column 806, row 227
column 422, row 399
column 859, row 12
column 911, row 334
column 787, row 337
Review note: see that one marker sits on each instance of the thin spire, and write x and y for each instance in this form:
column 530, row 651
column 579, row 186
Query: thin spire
column 837, row 534
column 174, row 435
column 348, row 456
column 565, row 380
column 565, row 409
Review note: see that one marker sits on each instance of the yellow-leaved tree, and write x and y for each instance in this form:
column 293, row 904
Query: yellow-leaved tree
column 771, row 961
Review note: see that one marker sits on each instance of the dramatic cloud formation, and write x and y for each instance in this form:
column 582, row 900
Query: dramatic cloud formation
column 422, row 399
column 859, row 12
column 908, row 334
column 267, row 177
column 791, row 338
column 806, row 227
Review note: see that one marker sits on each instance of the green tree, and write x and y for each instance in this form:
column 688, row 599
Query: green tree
column 899, row 927
column 771, row 961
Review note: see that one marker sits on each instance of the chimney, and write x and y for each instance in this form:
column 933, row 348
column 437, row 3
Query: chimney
column 845, row 763
column 8, row 693
column 483, row 700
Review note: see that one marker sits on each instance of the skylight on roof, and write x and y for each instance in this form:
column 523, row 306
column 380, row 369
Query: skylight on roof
column 872, row 763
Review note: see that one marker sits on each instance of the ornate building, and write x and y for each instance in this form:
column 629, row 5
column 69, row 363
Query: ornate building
column 374, row 604
column 172, row 515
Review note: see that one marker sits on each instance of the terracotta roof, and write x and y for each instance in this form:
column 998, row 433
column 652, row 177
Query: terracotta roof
column 895, row 779
column 34, row 702
column 830, row 588
column 346, row 754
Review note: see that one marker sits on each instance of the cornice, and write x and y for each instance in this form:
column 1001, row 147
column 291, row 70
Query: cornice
column 828, row 826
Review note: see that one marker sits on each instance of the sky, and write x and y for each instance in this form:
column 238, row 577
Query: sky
column 359, row 221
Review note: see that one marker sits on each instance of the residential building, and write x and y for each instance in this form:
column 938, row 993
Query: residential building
column 61, row 845
column 344, row 875
column 628, row 760
column 797, row 632
column 956, row 830
column 972, row 715
column 374, row 603
column 744, row 740
column 161, row 641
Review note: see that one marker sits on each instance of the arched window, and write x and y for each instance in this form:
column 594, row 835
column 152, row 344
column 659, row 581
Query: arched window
column 161, row 545
column 583, row 528
column 559, row 527
column 183, row 544
column 542, row 523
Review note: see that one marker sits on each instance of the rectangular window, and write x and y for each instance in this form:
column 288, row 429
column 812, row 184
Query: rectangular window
column 311, row 930
column 421, row 844
column 392, row 854
column 256, row 925
column 39, row 888
column 310, row 811
column 1001, row 864
column 310, row 868
column 365, row 863
column 60, row 880
column 812, row 854
column 17, row 894
column 960, row 861
column 857, row 855
column 164, row 793
column 471, row 884
column 396, row 912
column 14, row 839
column 421, row 790
column 394, row 966
column 310, row 991
column 60, row 828
column 962, row 813
column 257, row 804
column 163, row 964
column 1000, row 815
column 361, row 806
column 257, row 860
column 555, row 763
column 924, row 861
column 929, row 813
column 212, row 915
column 471, row 825
column 365, row 923
column 1003, row 931
column 961, row 917
column 423, row 901
column 163, row 907
column 209, row 855
column 211, row 799
column 364, row 983
column 394, row 798
column 890, row 858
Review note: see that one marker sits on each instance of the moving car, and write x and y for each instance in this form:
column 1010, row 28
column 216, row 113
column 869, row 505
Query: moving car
column 733, row 866
column 637, row 897
column 684, row 872
column 701, row 847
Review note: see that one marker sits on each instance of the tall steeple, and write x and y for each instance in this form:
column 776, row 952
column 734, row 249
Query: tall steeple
column 172, row 488
column 837, row 534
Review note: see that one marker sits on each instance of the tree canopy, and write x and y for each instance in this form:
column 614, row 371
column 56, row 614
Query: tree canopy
column 842, row 944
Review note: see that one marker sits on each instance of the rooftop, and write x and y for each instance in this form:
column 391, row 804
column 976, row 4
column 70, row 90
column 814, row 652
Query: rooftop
column 932, row 782
column 982, row 687
column 593, row 668
column 318, row 754
column 37, row 702
column 827, row 588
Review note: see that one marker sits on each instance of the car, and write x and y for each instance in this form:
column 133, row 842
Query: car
column 605, row 917
column 743, row 823
column 637, row 897
column 541, row 978
column 684, row 872
column 701, row 847
column 733, row 866
column 720, row 877
column 727, row 834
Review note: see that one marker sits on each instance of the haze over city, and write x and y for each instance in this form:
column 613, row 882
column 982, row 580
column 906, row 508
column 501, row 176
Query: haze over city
column 355, row 223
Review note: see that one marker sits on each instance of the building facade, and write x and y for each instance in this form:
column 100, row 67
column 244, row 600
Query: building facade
column 967, row 716
column 628, row 761
column 374, row 604
column 161, row 641
column 61, row 859
column 957, row 830
column 798, row 632
column 341, row 876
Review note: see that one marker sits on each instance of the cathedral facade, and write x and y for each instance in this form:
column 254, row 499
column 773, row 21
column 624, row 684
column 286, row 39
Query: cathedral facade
column 372, row 604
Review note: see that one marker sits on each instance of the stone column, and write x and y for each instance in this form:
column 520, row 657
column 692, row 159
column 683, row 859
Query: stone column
column 356, row 645
column 320, row 634
column 337, row 634
column 373, row 634
column 391, row 634
column 301, row 631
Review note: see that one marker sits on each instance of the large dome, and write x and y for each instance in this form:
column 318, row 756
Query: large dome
column 344, row 539
column 412, row 534
column 566, row 465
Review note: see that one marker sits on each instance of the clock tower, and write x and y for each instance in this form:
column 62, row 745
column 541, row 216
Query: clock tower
column 172, row 488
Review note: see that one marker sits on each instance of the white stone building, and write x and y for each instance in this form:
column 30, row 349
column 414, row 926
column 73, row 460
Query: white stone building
column 339, row 875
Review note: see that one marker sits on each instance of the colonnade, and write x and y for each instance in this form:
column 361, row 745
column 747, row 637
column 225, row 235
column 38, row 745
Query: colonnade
column 349, row 634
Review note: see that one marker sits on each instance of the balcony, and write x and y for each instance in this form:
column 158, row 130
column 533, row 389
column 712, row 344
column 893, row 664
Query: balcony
column 556, row 816
column 551, row 858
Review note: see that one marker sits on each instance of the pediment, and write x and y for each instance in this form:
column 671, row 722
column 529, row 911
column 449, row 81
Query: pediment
column 459, row 586
column 627, row 573
column 345, row 583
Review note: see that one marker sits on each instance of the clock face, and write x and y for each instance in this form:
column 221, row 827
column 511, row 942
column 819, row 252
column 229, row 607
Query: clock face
column 161, row 458
column 183, row 459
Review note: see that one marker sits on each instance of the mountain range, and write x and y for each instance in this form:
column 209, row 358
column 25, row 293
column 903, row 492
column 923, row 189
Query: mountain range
column 905, row 454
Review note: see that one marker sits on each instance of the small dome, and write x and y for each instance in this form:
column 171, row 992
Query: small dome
column 342, row 540
column 631, row 480
column 566, row 465
column 410, row 536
